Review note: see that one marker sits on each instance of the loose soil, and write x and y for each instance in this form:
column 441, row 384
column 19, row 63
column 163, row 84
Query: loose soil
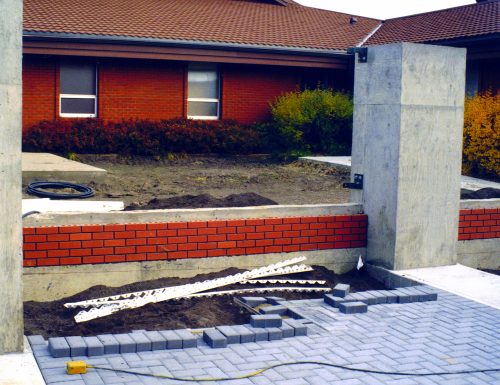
column 215, row 181
column 53, row 319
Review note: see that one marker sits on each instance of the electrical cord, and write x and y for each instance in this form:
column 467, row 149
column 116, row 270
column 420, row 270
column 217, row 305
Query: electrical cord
column 260, row 371
column 38, row 189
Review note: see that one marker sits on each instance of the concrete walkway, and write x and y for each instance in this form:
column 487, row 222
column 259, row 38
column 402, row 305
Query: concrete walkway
column 344, row 163
column 461, row 280
column 20, row 368
column 44, row 166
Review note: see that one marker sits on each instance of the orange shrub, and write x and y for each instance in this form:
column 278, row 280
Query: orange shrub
column 481, row 149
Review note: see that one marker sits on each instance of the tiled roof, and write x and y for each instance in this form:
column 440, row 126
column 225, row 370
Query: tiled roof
column 470, row 20
column 249, row 22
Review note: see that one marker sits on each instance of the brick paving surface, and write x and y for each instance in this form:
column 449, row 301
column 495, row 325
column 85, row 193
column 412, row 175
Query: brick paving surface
column 450, row 334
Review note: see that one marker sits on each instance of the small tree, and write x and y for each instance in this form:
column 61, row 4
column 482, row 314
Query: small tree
column 481, row 147
column 318, row 120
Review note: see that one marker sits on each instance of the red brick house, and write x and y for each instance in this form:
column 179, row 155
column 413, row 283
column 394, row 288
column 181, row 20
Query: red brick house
column 211, row 59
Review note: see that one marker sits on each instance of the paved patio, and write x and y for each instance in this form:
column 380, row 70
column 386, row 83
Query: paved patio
column 450, row 334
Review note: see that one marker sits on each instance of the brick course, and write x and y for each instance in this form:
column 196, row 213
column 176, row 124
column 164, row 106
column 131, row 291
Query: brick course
column 146, row 242
column 479, row 224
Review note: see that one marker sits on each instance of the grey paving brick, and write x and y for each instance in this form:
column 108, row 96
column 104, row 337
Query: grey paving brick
column 341, row 290
column 415, row 295
column 334, row 301
column 389, row 296
column 59, row 347
column 127, row 344
column 94, row 346
column 287, row 330
column 246, row 334
column 111, row 345
column 275, row 300
column 277, row 309
column 189, row 340
column 274, row 334
column 233, row 337
column 142, row 343
column 295, row 313
column 429, row 293
column 261, row 334
column 402, row 296
column 77, row 346
column 254, row 301
column 158, row 342
column 36, row 340
column 266, row 320
column 174, row 341
column 214, row 338
column 299, row 329
column 379, row 296
column 353, row 307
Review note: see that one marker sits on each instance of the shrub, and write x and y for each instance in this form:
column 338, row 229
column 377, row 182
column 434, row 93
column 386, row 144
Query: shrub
column 319, row 120
column 481, row 147
column 140, row 137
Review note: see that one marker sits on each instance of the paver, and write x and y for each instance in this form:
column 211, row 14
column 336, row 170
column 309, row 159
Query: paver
column 59, row 347
column 94, row 346
column 127, row 344
column 111, row 345
column 254, row 301
column 353, row 307
column 214, row 338
column 275, row 300
column 158, row 342
column 287, row 330
column 261, row 334
column 341, row 290
column 274, row 334
column 266, row 320
column 77, row 346
column 142, row 343
column 334, row 301
column 277, row 309
column 189, row 340
column 231, row 335
column 299, row 329
column 246, row 334
column 36, row 340
column 173, row 340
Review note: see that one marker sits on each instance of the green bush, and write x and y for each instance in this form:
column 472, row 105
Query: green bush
column 317, row 120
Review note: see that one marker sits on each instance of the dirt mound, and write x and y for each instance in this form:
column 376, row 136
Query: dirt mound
column 202, row 201
column 52, row 319
column 484, row 193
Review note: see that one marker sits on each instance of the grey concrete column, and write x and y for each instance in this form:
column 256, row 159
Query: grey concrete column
column 11, row 315
column 407, row 142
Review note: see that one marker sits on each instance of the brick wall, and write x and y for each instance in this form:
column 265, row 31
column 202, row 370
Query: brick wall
column 94, row 244
column 479, row 224
column 39, row 89
column 156, row 90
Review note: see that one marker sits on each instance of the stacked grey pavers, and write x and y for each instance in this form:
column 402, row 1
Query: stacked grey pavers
column 450, row 334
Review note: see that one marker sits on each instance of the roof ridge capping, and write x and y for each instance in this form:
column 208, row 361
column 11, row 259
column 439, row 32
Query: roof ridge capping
column 279, row 2
column 477, row 4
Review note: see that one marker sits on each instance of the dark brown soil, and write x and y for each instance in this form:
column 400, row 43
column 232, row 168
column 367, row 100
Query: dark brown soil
column 53, row 319
column 203, row 200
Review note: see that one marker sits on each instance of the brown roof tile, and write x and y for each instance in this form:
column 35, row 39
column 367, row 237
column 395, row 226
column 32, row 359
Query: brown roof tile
column 228, row 21
column 470, row 20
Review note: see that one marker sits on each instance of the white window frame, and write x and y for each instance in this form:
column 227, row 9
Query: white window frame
column 76, row 96
column 80, row 96
column 206, row 100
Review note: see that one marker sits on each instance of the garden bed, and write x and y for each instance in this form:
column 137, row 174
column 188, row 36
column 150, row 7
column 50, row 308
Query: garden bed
column 215, row 181
column 53, row 319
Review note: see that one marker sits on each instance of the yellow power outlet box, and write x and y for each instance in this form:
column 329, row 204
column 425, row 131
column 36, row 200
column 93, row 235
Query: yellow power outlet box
column 76, row 367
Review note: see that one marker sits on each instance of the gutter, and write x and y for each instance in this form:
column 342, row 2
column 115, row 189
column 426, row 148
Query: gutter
column 107, row 39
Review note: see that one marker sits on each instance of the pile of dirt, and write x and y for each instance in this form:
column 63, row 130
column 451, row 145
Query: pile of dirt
column 53, row 319
column 484, row 193
column 203, row 200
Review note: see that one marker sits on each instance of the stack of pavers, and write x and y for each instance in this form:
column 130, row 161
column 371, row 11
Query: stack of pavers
column 352, row 303
column 268, row 326
column 135, row 342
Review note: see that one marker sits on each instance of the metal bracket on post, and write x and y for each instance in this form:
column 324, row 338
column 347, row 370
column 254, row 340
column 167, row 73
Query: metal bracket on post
column 358, row 183
column 362, row 53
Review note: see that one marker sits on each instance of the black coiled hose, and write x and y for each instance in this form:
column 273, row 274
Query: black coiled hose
column 38, row 189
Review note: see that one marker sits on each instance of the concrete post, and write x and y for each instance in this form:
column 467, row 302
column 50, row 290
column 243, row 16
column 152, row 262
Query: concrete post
column 407, row 142
column 11, row 315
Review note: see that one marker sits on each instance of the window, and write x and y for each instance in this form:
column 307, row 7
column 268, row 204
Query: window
column 203, row 92
column 78, row 95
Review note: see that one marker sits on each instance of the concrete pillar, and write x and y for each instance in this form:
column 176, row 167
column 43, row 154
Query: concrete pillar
column 11, row 315
column 407, row 142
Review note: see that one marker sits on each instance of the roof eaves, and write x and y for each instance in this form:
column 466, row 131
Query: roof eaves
column 115, row 39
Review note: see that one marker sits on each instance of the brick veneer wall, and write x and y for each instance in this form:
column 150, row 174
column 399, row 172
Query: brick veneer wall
column 479, row 224
column 94, row 244
column 147, row 89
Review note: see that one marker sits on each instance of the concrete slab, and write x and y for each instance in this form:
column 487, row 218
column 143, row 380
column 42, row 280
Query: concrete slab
column 461, row 280
column 20, row 368
column 344, row 163
column 44, row 166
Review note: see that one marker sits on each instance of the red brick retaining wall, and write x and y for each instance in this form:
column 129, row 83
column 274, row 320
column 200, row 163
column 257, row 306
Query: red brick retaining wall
column 479, row 224
column 94, row 244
